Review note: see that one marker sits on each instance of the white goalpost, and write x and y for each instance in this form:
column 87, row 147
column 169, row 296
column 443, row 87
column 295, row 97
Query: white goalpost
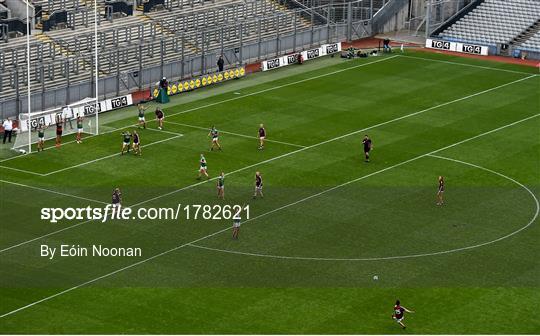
column 32, row 123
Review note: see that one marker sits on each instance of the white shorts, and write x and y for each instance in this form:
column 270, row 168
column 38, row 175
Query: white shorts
column 79, row 130
column 221, row 187
column 214, row 139
column 203, row 168
column 236, row 224
column 141, row 119
column 398, row 320
column 126, row 143
column 135, row 144
column 262, row 138
column 41, row 139
column 258, row 187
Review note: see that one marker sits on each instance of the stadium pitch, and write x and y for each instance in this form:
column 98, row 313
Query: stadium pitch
column 334, row 241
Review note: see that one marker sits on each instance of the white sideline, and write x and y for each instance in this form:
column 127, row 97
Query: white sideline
column 236, row 134
column 260, row 163
column 466, row 64
column 51, row 191
column 283, row 85
column 108, row 156
column 228, row 229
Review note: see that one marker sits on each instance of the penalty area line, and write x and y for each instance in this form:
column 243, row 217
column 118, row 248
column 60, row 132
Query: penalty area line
column 108, row 156
column 236, row 134
column 52, row 192
column 227, row 100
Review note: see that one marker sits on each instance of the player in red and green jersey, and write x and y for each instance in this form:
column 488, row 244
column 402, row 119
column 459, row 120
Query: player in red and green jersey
column 126, row 141
column 142, row 121
column 79, row 128
column 41, row 138
column 214, row 134
column 203, row 168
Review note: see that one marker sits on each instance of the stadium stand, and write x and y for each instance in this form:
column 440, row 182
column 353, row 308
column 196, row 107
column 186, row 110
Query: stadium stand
column 533, row 43
column 495, row 22
column 129, row 42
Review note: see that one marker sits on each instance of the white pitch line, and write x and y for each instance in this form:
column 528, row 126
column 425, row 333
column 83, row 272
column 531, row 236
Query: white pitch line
column 459, row 249
column 228, row 100
column 163, row 131
column 254, row 165
column 106, row 157
column 237, row 134
column 52, row 191
column 228, row 229
column 283, row 85
column 184, row 188
column 44, row 236
column 22, row 170
column 341, row 137
column 466, row 64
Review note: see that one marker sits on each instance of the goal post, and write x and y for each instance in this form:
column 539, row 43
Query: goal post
column 31, row 123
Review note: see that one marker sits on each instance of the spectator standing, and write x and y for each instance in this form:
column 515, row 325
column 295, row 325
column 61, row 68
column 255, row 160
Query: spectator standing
column 220, row 63
column 8, row 129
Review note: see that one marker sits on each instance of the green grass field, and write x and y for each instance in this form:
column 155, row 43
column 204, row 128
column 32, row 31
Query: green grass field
column 329, row 222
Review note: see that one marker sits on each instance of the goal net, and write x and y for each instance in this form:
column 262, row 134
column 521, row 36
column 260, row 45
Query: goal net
column 30, row 124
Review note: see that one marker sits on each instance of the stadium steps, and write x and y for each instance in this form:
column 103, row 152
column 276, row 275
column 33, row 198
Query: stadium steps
column 45, row 39
column 57, row 47
column 285, row 9
column 527, row 33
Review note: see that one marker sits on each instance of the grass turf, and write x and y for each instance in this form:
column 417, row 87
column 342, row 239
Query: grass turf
column 411, row 105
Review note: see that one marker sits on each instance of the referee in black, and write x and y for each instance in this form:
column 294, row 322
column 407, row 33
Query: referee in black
column 367, row 147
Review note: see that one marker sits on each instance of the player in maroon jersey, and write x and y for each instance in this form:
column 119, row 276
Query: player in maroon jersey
column 258, row 185
column 399, row 313
column 262, row 136
column 440, row 191
column 160, row 116
column 58, row 131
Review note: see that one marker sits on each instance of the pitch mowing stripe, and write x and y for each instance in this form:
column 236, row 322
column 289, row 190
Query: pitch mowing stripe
column 228, row 100
column 107, row 157
column 261, row 255
column 283, row 85
column 47, row 298
column 236, row 134
column 51, row 191
column 464, row 64
column 256, row 164
column 340, row 137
